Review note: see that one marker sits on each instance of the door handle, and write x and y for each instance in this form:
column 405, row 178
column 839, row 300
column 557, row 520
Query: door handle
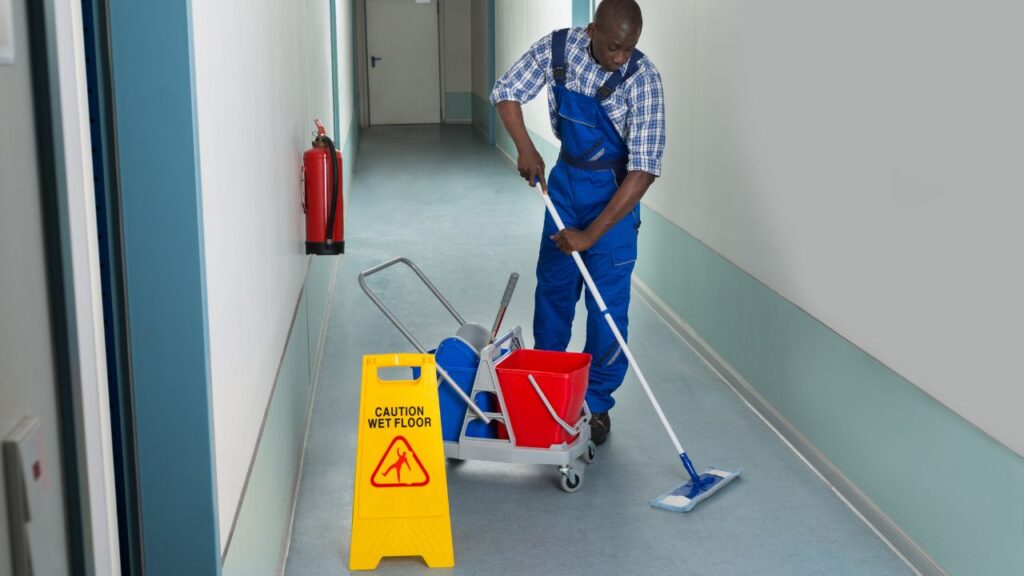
column 373, row 61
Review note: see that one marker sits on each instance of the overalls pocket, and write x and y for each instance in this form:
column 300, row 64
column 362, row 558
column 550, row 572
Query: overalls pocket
column 578, row 110
column 624, row 255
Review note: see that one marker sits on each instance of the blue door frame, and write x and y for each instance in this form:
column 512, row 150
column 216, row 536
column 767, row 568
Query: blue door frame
column 161, row 222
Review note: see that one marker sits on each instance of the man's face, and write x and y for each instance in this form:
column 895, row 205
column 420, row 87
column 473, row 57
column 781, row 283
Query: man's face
column 613, row 43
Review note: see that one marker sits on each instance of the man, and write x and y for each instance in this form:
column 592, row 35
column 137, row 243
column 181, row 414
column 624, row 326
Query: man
column 606, row 106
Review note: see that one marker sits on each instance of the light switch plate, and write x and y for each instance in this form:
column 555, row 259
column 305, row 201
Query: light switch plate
column 28, row 482
column 6, row 32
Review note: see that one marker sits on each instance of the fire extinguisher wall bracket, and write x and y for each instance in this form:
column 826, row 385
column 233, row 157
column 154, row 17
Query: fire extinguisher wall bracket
column 323, row 197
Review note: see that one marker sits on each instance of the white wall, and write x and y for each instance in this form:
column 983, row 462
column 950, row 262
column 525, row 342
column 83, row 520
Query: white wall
column 263, row 73
column 457, row 49
column 862, row 159
column 518, row 24
column 28, row 379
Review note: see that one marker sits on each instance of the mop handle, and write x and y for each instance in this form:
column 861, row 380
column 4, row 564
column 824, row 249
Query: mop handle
column 611, row 324
column 505, row 299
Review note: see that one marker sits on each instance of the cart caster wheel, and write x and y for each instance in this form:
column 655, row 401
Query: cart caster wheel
column 591, row 453
column 571, row 481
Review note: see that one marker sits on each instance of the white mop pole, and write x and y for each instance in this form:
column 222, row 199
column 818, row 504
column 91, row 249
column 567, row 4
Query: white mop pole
column 611, row 324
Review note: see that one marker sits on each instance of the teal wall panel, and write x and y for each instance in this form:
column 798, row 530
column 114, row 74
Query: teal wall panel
column 580, row 12
column 261, row 530
column 481, row 112
column 317, row 294
column 548, row 151
column 258, row 541
column 162, row 224
column 951, row 488
column 458, row 106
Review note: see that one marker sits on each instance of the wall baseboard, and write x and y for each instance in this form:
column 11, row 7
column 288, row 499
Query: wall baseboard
column 872, row 515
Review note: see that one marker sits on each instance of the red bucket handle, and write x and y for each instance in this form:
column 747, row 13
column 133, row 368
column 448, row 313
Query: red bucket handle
column 572, row 430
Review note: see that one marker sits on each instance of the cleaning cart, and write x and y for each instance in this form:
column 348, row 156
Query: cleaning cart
column 500, row 401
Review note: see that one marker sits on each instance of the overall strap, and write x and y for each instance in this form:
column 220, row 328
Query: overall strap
column 605, row 92
column 558, row 55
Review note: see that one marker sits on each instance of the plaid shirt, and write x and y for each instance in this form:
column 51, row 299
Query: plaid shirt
column 636, row 109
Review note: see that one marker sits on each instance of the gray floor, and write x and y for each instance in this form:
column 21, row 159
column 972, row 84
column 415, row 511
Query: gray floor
column 454, row 206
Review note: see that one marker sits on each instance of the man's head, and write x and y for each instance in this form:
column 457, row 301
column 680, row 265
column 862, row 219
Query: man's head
column 614, row 32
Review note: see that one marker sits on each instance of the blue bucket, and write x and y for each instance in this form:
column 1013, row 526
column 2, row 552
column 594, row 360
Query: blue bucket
column 461, row 361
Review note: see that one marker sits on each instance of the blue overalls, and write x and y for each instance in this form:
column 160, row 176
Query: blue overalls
column 590, row 167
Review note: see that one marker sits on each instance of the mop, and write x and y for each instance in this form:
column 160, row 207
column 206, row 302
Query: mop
column 699, row 487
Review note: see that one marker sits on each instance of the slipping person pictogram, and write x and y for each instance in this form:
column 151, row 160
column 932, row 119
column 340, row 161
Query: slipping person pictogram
column 401, row 459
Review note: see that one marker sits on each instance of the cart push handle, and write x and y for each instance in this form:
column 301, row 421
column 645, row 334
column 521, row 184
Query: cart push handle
column 573, row 430
column 430, row 285
column 408, row 335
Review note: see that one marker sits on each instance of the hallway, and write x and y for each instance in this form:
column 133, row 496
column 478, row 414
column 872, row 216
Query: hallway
column 453, row 205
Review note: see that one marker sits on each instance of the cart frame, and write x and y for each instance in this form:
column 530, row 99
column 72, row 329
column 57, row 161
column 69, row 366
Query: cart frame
column 570, row 458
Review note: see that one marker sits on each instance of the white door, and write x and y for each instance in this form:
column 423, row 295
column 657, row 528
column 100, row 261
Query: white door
column 403, row 64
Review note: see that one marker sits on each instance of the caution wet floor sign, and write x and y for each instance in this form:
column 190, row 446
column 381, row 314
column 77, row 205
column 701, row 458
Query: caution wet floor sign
column 401, row 492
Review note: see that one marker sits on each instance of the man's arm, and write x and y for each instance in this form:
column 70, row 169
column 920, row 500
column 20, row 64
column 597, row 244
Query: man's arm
column 622, row 202
column 529, row 164
column 520, row 84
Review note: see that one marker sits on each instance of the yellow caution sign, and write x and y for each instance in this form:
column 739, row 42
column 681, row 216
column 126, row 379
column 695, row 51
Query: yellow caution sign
column 401, row 491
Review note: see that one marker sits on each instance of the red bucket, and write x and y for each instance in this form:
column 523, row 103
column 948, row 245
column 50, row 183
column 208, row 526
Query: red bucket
column 562, row 376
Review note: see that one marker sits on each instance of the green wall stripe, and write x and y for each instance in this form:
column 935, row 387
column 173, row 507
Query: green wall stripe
column 458, row 106
column 547, row 150
column 954, row 490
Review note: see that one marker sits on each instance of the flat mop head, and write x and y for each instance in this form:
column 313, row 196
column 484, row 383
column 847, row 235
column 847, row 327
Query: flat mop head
column 686, row 497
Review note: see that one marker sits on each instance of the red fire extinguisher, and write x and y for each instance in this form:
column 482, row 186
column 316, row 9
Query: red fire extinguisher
column 325, row 221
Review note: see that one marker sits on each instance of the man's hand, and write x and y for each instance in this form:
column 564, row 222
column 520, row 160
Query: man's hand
column 622, row 202
column 572, row 240
column 531, row 167
column 529, row 164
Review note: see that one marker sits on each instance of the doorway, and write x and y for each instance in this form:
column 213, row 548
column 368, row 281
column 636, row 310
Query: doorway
column 403, row 62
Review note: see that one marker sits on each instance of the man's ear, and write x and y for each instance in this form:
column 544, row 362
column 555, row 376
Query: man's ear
column 590, row 30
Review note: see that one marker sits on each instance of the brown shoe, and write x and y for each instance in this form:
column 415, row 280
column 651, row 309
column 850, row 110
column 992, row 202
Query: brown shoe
column 600, row 426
